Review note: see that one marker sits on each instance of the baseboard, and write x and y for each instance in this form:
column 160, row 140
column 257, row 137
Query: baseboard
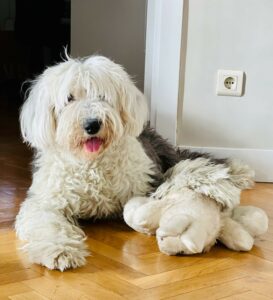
column 259, row 159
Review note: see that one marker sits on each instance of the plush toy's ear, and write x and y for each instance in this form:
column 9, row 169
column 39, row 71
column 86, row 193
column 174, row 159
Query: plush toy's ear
column 36, row 117
column 134, row 111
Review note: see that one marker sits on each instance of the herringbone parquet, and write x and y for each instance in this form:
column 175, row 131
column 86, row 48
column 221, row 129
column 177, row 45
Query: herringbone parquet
column 124, row 264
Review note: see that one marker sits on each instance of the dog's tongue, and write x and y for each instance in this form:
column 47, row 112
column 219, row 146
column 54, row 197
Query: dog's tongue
column 93, row 144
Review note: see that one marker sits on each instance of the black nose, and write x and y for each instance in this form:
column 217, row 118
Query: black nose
column 92, row 126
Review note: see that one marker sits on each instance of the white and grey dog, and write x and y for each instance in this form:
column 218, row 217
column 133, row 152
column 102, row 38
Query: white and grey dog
column 86, row 120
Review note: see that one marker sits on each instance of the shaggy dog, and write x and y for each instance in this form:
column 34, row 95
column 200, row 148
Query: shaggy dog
column 85, row 119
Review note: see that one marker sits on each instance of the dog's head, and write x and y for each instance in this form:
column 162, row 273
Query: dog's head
column 82, row 106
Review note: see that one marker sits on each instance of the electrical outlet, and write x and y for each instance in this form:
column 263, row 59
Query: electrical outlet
column 230, row 83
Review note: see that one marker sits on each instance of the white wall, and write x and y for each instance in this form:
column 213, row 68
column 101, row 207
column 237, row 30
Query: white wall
column 233, row 34
column 114, row 28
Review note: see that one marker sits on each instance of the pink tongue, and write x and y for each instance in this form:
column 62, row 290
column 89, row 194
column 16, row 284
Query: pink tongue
column 93, row 144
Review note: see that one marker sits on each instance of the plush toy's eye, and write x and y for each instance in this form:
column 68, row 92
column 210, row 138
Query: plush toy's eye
column 70, row 98
column 102, row 97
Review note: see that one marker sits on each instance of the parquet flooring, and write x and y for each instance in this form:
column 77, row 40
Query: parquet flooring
column 124, row 264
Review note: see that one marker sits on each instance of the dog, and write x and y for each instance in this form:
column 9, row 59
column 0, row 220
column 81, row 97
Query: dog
column 95, row 157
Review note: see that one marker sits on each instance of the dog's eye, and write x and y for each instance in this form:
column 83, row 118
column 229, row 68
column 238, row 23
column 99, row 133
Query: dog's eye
column 70, row 98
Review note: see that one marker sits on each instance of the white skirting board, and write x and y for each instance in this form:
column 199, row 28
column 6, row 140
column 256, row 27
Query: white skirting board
column 261, row 160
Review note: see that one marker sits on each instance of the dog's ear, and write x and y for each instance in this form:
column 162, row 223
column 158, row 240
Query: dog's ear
column 37, row 116
column 134, row 110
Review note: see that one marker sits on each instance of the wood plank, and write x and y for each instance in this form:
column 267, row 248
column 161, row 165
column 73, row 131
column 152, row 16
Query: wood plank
column 72, row 287
column 192, row 284
column 219, row 291
column 247, row 296
column 10, row 289
column 185, row 273
column 28, row 296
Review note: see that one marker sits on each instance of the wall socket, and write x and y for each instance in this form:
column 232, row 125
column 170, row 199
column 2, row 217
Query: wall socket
column 230, row 83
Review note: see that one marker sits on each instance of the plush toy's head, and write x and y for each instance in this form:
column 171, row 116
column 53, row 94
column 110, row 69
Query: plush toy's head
column 82, row 106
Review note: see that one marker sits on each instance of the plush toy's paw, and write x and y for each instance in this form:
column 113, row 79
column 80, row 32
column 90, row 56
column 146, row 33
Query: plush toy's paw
column 182, row 234
column 57, row 256
column 240, row 229
column 253, row 219
column 235, row 236
column 142, row 214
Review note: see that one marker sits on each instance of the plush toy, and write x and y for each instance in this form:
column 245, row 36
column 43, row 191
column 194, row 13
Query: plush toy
column 196, row 205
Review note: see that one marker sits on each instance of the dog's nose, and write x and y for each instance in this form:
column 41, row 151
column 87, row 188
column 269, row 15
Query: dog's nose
column 92, row 126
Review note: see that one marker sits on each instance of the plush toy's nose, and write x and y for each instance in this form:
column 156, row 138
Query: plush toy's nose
column 92, row 126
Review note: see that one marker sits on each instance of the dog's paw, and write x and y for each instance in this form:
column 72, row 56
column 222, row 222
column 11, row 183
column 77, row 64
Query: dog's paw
column 57, row 256
column 182, row 234
column 253, row 219
column 142, row 215
column 67, row 260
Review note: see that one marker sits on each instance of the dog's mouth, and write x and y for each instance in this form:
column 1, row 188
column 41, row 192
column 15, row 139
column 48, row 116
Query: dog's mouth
column 93, row 144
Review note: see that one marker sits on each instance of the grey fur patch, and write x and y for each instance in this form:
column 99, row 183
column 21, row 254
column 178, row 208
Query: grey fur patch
column 158, row 149
column 165, row 156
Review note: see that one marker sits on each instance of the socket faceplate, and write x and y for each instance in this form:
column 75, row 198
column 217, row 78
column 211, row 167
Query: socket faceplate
column 230, row 83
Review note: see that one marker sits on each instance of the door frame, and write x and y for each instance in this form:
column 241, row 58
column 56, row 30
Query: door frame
column 165, row 63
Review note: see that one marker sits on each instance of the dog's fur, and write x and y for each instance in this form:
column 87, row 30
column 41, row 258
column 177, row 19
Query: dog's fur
column 196, row 193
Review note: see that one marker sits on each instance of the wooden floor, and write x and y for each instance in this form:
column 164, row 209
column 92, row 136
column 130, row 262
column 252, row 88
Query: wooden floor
column 124, row 264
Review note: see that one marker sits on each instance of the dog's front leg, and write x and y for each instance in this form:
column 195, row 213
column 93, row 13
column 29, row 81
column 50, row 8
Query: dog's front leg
column 51, row 239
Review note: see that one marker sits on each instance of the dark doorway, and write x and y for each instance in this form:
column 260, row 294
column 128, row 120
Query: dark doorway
column 33, row 35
